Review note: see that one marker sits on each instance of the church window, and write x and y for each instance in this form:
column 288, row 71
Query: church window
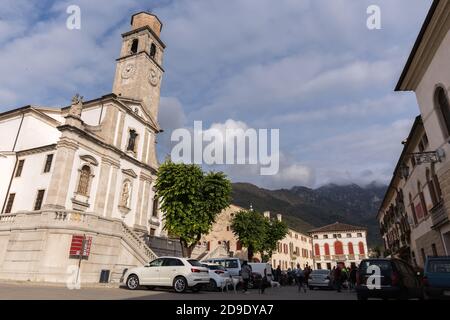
column 443, row 108
column 152, row 50
column 48, row 163
column 134, row 46
column 39, row 199
column 83, row 184
column 132, row 141
column 155, row 207
column 19, row 168
column 10, row 202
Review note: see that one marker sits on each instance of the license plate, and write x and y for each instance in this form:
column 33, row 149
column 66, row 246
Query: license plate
column 447, row 293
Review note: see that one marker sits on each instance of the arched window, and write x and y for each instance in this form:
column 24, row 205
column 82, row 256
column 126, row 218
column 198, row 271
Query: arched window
column 317, row 250
column 152, row 50
column 83, row 184
column 327, row 249
column 431, row 188
column 350, row 248
column 361, row 248
column 443, row 107
column 134, row 46
column 338, row 248
column 413, row 209
column 422, row 201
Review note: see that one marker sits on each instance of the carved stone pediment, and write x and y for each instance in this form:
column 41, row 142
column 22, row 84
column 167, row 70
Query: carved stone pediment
column 130, row 173
column 90, row 159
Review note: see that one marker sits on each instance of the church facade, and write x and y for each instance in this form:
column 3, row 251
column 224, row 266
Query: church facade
column 85, row 171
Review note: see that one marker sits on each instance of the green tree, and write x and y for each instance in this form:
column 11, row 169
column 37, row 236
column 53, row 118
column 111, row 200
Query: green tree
column 249, row 227
column 190, row 201
column 257, row 233
column 275, row 231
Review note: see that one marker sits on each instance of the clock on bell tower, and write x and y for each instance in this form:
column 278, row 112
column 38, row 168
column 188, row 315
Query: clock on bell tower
column 139, row 68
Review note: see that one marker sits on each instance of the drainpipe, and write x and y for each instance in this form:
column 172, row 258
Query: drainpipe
column 15, row 164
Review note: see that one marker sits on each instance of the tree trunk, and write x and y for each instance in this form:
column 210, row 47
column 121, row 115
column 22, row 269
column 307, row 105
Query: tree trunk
column 250, row 253
column 186, row 251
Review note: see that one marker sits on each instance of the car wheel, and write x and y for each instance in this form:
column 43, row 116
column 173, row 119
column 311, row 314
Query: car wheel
column 213, row 285
column 180, row 284
column 133, row 282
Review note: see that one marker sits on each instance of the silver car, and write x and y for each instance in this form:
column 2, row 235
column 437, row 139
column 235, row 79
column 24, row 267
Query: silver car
column 320, row 279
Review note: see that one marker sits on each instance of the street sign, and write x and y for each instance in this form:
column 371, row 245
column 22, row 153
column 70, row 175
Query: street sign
column 80, row 246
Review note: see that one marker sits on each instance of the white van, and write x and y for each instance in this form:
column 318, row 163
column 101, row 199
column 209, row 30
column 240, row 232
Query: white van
column 232, row 265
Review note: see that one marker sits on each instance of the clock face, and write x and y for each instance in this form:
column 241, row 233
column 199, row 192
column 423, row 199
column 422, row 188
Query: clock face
column 154, row 78
column 128, row 71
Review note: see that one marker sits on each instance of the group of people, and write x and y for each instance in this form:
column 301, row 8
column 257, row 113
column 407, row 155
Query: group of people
column 340, row 276
column 343, row 276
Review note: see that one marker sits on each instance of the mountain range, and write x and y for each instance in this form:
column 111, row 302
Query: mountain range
column 304, row 209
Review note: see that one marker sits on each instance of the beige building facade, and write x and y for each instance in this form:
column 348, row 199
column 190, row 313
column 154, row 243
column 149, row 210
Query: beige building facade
column 295, row 248
column 86, row 170
column 405, row 215
column 427, row 74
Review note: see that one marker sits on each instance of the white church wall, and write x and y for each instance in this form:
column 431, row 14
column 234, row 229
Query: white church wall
column 8, row 132
column 7, row 163
column 93, row 116
column 30, row 181
column 36, row 133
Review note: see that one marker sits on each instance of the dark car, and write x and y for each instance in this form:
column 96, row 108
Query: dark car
column 396, row 279
column 436, row 278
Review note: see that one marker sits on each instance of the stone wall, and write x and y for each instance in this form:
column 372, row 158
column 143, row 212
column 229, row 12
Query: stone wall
column 34, row 246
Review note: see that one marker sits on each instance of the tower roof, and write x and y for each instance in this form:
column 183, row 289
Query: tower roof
column 144, row 18
column 337, row 227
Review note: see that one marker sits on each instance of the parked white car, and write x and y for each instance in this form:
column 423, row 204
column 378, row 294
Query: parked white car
column 179, row 273
column 218, row 276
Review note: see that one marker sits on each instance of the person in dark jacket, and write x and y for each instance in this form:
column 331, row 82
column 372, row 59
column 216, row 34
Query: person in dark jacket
column 338, row 278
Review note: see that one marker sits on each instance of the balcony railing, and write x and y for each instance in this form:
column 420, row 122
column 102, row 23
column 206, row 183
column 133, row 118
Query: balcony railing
column 439, row 215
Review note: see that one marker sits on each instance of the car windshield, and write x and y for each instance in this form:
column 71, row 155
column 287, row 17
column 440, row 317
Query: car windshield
column 439, row 266
column 231, row 264
column 195, row 263
column 215, row 267
column 324, row 272
column 382, row 264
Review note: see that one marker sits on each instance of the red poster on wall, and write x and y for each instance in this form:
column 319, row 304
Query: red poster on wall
column 80, row 246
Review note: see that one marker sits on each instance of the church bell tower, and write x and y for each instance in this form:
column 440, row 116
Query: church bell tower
column 139, row 68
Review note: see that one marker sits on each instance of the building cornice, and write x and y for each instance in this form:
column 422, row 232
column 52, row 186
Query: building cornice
column 96, row 140
column 431, row 35
column 42, row 149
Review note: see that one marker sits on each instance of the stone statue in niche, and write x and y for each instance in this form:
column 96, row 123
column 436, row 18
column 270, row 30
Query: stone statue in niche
column 132, row 141
column 77, row 106
column 125, row 195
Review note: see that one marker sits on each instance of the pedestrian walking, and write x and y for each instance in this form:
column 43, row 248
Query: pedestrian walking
column 337, row 278
column 300, row 279
column 246, row 272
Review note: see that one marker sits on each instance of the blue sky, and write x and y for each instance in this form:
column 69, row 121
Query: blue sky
column 310, row 68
